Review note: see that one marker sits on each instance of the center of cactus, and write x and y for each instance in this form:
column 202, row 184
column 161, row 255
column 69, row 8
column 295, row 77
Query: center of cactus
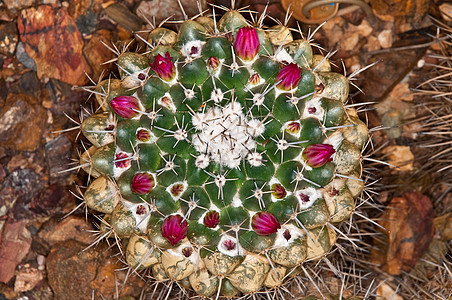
column 224, row 135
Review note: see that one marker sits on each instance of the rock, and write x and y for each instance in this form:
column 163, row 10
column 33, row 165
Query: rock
column 385, row 38
column 383, row 76
column 350, row 41
column 52, row 39
column 24, row 58
column 70, row 269
column 30, row 84
column 15, row 242
column 74, row 273
column 446, row 11
column 6, row 15
column 8, row 38
column 443, row 226
column 19, row 189
column 97, row 54
column 15, row 5
column 385, row 292
column 78, row 8
column 27, row 278
column 161, row 9
column 123, row 16
column 58, row 153
column 21, row 122
column 71, row 228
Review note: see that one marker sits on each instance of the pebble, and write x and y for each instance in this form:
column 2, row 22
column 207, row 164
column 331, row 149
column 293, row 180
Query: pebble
column 94, row 269
column 15, row 241
column 21, row 122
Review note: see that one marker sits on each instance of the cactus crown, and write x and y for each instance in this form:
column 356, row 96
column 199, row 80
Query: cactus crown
column 226, row 148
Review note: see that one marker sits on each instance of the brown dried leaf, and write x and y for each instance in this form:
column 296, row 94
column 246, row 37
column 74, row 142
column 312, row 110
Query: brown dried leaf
column 409, row 224
column 400, row 156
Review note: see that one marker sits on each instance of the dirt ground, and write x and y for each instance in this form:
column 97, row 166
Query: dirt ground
column 49, row 47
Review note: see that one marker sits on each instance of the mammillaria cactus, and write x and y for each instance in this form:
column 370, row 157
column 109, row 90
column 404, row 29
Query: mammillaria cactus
column 225, row 156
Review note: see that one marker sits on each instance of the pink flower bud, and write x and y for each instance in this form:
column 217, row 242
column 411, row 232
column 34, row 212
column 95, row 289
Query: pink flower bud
column 293, row 127
column 213, row 62
column 318, row 154
column 211, row 219
column 125, row 106
column 264, row 223
column 143, row 135
column 289, row 76
column 142, row 183
column 247, row 43
column 122, row 160
column 164, row 67
column 174, row 230
column 254, row 79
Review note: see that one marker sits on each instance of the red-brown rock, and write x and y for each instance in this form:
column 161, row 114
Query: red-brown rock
column 52, row 39
column 15, row 242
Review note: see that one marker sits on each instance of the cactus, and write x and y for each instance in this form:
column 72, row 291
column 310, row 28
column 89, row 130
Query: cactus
column 225, row 156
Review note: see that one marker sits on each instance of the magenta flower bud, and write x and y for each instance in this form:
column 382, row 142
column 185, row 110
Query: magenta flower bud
column 289, row 76
column 142, row 183
column 164, row 67
column 264, row 223
column 211, row 219
column 122, row 160
column 247, row 43
column 125, row 106
column 318, row 154
column 213, row 62
column 174, row 230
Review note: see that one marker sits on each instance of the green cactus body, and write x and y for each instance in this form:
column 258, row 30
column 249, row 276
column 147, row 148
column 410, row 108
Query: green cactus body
column 227, row 161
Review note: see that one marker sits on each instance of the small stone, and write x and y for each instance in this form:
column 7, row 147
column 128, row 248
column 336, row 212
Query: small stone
column 19, row 190
column 96, row 53
column 364, row 29
column 15, row 5
column 446, row 11
column 57, row 50
column 385, row 38
column 70, row 270
column 160, row 9
column 373, row 44
column 6, row 15
column 8, row 38
column 30, row 84
column 78, row 8
column 58, row 152
column 71, row 228
column 349, row 42
column 21, row 122
column 27, row 278
column 24, row 58
column 123, row 16
column 15, row 241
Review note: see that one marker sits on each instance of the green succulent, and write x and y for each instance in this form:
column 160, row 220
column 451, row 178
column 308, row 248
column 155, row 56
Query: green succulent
column 224, row 156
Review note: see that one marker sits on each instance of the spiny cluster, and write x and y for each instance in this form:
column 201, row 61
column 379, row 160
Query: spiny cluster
column 225, row 157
